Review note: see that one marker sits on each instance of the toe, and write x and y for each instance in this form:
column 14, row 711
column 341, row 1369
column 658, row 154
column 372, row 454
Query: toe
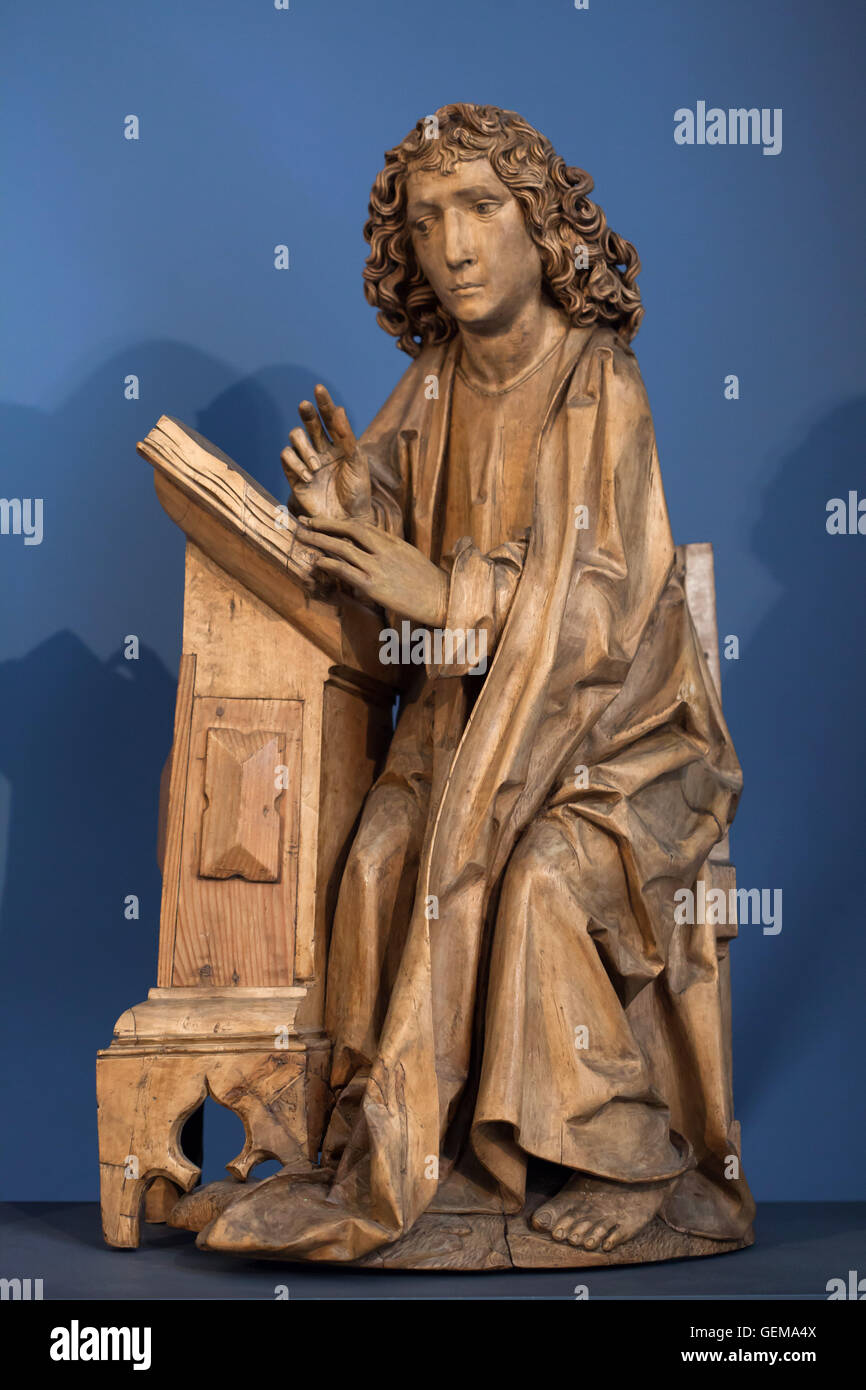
column 578, row 1231
column 596, row 1234
column 543, row 1218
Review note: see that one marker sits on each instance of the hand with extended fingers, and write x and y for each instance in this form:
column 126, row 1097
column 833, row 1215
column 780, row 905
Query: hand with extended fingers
column 381, row 566
column 330, row 480
column 328, row 472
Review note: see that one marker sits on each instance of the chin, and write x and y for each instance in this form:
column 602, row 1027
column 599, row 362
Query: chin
column 474, row 315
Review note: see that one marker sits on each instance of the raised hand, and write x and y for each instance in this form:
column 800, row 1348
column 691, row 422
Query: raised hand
column 330, row 477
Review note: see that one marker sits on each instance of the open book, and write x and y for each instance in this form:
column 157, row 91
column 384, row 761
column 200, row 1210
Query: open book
column 253, row 537
column 224, row 490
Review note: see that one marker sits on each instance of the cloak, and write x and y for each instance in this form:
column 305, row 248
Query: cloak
column 596, row 669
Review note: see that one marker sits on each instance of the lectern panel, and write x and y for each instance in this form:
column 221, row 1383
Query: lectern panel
column 241, row 825
column 238, row 890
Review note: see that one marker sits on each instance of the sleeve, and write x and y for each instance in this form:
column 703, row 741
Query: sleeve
column 386, row 495
column 386, row 444
column 481, row 588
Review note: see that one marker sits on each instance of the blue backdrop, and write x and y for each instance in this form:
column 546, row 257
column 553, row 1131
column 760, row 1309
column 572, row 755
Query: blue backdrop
column 154, row 257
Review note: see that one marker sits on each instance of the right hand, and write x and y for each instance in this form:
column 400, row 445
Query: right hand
column 330, row 477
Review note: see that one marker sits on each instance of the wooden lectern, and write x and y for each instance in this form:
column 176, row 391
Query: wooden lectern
column 283, row 714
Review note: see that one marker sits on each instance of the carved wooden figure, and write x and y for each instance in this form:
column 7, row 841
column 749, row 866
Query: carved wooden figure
column 445, row 975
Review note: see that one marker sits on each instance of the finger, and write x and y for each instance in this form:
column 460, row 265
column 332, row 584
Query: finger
column 315, row 429
column 300, row 507
column 294, row 468
column 303, row 447
column 336, row 420
column 331, row 546
column 340, row 570
column 361, row 532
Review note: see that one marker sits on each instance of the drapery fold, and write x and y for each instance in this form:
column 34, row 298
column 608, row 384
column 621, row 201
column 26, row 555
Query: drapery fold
column 597, row 744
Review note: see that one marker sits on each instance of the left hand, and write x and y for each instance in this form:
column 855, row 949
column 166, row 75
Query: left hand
column 382, row 567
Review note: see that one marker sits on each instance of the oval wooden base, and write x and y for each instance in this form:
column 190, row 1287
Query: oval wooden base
column 470, row 1241
column 493, row 1242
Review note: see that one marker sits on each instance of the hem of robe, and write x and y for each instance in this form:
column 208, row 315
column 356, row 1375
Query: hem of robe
column 294, row 1220
column 283, row 1217
column 697, row 1205
column 661, row 1159
column 701, row 1206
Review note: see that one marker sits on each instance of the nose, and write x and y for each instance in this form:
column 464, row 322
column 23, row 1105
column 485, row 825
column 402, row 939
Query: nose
column 457, row 243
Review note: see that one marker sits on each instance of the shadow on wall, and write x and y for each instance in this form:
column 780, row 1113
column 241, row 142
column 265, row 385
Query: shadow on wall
column 795, row 703
column 82, row 739
column 82, row 744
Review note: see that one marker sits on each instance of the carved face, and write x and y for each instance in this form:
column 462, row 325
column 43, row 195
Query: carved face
column 471, row 242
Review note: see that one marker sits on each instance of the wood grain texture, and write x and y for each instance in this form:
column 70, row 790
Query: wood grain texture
column 172, row 836
column 216, row 942
column 220, row 488
column 521, row 853
column 210, row 505
column 355, row 731
column 697, row 566
column 241, row 829
column 145, row 1097
column 259, row 793
column 527, row 1061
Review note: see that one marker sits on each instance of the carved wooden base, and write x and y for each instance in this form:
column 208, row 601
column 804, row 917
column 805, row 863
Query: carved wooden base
column 495, row 1242
column 464, row 1241
column 442, row 1240
column 172, row 1051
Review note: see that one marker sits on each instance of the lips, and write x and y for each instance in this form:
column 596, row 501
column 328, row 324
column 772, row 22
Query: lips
column 458, row 289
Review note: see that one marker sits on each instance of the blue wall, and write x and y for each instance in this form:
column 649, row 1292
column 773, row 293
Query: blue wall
column 155, row 257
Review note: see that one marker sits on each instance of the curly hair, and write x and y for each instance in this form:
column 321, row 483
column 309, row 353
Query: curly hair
column 559, row 215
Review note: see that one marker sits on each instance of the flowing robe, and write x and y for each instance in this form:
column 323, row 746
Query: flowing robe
column 506, row 979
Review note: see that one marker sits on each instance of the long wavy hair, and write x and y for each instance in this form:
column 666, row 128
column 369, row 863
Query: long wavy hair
column 559, row 215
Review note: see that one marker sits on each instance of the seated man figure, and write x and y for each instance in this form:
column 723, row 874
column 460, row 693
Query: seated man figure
column 507, row 984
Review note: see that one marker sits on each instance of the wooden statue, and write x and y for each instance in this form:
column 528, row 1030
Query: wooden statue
column 526, row 1047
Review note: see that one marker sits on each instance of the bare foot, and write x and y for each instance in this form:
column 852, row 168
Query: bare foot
column 597, row 1214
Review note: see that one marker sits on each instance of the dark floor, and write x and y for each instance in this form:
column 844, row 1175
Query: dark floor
column 799, row 1247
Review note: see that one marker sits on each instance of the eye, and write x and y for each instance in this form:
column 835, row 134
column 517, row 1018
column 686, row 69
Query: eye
column 486, row 206
column 422, row 226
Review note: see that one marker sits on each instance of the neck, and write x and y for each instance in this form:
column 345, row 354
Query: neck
column 494, row 358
